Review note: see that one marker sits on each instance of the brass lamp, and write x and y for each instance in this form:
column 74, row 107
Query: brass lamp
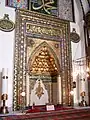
column 4, row 108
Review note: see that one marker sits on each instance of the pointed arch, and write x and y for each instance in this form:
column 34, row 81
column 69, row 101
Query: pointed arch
column 43, row 60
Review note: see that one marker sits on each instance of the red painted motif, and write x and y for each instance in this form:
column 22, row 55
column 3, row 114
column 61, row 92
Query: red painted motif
column 18, row 0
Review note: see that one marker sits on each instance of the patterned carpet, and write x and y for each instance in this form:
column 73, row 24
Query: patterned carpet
column 70, row 114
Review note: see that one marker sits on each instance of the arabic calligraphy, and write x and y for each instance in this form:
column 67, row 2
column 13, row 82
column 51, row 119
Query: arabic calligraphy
column 6, row 24
column 46, row 5
column 43, row 30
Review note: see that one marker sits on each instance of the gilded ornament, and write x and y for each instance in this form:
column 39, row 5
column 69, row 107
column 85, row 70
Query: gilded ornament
column 39, row 91
column 30, row 28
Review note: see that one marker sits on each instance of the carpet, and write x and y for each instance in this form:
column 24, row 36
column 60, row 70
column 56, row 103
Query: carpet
column 72, row 114
column 43, row 109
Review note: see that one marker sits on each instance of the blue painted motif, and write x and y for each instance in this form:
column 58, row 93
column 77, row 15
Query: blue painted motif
column 18, row 3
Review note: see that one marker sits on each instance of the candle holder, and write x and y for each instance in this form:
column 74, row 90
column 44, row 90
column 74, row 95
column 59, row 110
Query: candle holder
column 72, row 95
column 83, row 102
column 23, row 97
column 4, row 108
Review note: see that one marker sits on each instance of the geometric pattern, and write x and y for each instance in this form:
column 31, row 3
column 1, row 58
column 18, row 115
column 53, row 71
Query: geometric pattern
column 43, row 62
column 40, row 26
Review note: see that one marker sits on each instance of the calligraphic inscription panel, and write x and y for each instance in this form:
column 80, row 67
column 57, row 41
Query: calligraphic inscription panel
column 33, row 28
column 44, row 6
column 43, row 31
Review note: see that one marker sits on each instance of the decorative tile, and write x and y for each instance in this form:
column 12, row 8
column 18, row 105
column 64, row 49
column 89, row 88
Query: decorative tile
column 17, row 3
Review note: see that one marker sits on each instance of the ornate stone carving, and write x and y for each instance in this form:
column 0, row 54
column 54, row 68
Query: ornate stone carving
column 43, row 61
column 24, row 17
column 39, row 91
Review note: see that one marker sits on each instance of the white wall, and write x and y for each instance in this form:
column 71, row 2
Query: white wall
column 78, row 52
column 7, row 48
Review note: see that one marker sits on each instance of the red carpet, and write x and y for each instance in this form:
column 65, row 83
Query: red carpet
column 43, row 109
column 70, row 114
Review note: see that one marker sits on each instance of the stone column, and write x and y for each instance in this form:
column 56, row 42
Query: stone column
column 5, row 82
column 4, row 96
column 59, row 90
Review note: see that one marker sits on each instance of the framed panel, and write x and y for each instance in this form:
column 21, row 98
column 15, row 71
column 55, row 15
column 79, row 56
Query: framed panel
column 44, row 6
column 17, row 3
column 40, row 26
